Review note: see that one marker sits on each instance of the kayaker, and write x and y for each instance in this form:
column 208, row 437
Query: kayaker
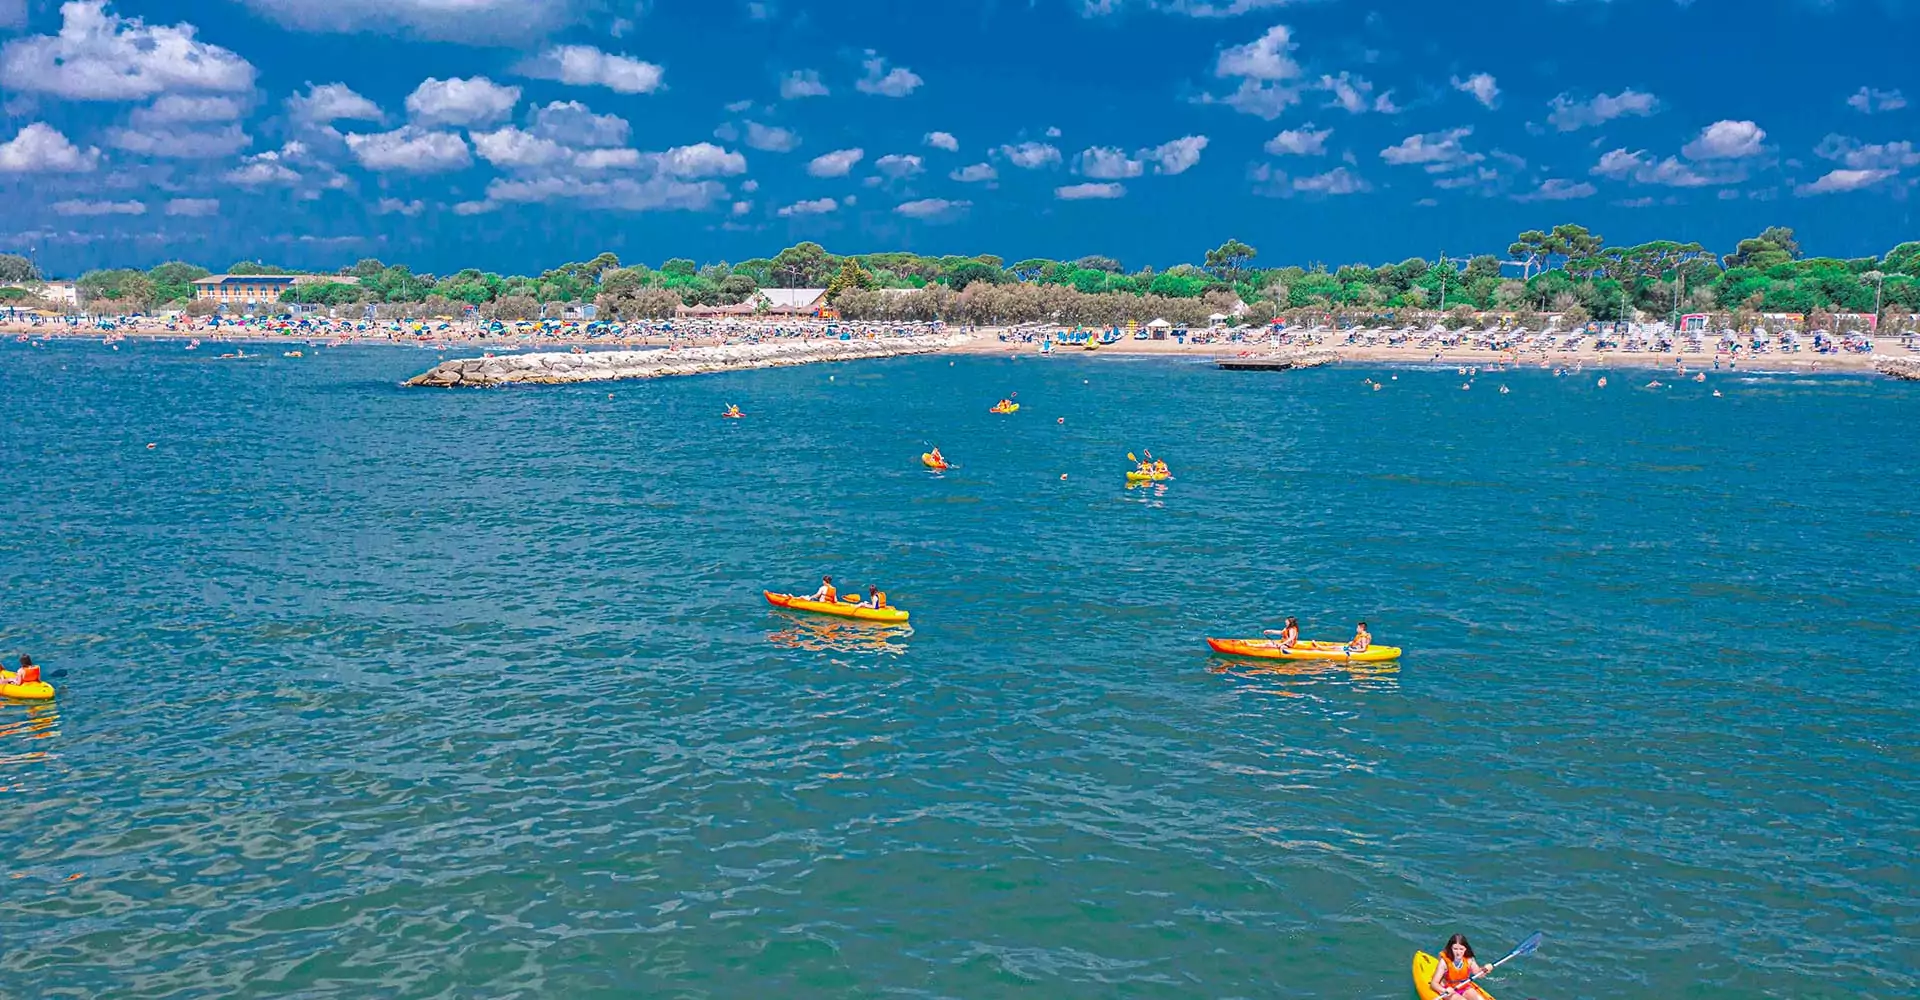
column 27, row 674
column 938, row 459
column 1457, row 967
column 1361, row 639
column 1290, row 635
column 876, row 599
column 826, row 594
column 1160, row 469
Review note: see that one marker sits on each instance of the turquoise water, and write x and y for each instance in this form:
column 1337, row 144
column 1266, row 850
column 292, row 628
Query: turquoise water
column 380, row 692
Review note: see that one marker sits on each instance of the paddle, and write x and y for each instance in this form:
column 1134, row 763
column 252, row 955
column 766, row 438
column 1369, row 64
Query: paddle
column 1527, row 947
column 1275, row 643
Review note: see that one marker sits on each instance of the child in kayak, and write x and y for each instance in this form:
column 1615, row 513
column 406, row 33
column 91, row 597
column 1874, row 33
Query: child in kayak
column 1457, row 966
column 826, row 594
column 1361, row 639
column 876, row 599
column 27, row 674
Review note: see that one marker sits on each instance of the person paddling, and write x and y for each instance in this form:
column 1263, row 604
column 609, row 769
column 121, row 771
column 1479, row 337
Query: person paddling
column 826, row 594
column 1289, row 636
column 939, row 460
column 1453, row 976
column 876, row 599
column 27, row 674
column 1361, row 639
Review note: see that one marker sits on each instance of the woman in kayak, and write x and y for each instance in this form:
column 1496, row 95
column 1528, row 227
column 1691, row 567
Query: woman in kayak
column 876, row 598
column 826, row 594
column 1361, row 639
column 1452, row 977
column 1289, row 635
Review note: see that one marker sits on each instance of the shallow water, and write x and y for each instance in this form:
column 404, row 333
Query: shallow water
column 371, row 691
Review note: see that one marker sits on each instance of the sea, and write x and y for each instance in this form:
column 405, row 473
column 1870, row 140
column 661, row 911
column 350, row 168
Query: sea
column 368, row 691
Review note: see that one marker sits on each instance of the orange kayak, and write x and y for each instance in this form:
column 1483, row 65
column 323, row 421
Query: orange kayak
column 1269, row 649
column 842, row 610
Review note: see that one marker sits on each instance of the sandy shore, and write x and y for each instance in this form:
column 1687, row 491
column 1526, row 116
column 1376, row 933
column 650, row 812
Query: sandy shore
column 1473, row 357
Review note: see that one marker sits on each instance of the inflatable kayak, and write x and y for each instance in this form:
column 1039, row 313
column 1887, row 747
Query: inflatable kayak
column 1269, row 649
column 1015, row 408
column 1148, row 477
column 793, row 603
column 927, row 459
column 1423, row 966
column 36, row 691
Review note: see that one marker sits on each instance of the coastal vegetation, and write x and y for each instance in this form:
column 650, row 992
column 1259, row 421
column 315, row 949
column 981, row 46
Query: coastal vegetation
column 1566, row 271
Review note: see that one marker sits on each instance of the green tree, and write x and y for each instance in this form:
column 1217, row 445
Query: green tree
column 851, row 276
column 803, row 265
column 173, row 281
column 15, row 269
column 1098, row 262
column 1229, row 260
column 972, row 272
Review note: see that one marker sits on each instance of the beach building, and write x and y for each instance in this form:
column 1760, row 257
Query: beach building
column 790, row 301
column 63, row 293
column 258, row 289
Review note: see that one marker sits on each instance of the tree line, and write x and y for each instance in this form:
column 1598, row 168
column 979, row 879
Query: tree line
column 1566, row 270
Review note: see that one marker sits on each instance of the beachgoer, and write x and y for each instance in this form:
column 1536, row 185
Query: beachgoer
column 826, row 594
column 876, row 598
column 27, row 674
column 1361, row 639
column 1452, row 977
column 1290, row 635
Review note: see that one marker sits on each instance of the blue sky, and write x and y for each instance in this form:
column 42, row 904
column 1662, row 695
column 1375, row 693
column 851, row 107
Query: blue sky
column 514, row 135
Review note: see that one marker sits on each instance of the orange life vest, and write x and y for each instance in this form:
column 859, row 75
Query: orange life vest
column 879, row 598
column 30, row 675
column 832, row 595
column 1456, row 974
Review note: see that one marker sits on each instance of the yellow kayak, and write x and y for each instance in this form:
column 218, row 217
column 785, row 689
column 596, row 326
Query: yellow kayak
column 1269, row 649
column 1423, row 966
column 793, row 603
column 1015, row 408
column 927, row 459
column 1148, row 477
column 36, row 691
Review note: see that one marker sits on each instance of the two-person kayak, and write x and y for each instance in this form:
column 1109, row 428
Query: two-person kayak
column 841, row 608
column 1271, row 649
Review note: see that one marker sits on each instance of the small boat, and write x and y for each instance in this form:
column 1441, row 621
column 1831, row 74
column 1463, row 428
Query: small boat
column 843, row 610
column 1015, row 408
column 1137, row 476
column 927, row 459
column 1423, row 966
column 1269, row 649
column 35, row 691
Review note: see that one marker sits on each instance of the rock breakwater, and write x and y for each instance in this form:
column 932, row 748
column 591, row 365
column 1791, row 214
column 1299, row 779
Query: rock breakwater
column 1902, row 368
column 605, row 366
column 1276, row 361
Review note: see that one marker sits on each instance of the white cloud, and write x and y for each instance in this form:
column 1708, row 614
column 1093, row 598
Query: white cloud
column 1843, row 180
column 511, row 149
column 571, row 123
column 395, row 206
column 659, row 192
column 187, row 144
column 463, row 20
column 818, row 206
column 1621, row 164
column 702, row 159
column 1107, row 163
column 1175, row 157
column 472, row 102
column 1265, row 58
column 410, row 150
column 771, row 138
column 1869, row 101
column 975, row 173
column 40, row 148
column 942, row 140
column 1556, row 189
column 1354, row 95
column 1880, row 156
column 896, row 82
column 171, row 109
column 1726, row 140
column 1083, row 192
column 193, row 208
column 1568, row 115
column 1438, row 152
column 99, row 56
column 836, row 163
column 749, row 185
column 332, row 102
column 742, row 207
column 13, row 14
column 262, row 169
column 99, row 208
column 1337, row 181
column 802, row 83
column 1300, row 142
column 1482, row 86
column 897, row 166
column 475, row 207
column 1190, row 8
column 1053, row 132
column 1031, row 155
column 595, row 160
column 932, row 209
column 586, row 66
column 1262, row 100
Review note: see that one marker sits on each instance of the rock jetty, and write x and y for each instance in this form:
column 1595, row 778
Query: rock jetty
column 1277, row 361
column 1904, row 368
column 604, row 366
